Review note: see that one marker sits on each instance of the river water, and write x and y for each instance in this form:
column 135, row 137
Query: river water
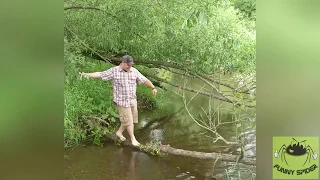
column 180, row 131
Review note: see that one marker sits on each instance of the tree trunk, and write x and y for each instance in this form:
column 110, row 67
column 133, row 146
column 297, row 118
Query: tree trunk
column 182, row 152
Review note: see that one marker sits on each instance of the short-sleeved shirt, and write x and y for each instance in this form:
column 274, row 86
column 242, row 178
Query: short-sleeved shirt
column 124, row 84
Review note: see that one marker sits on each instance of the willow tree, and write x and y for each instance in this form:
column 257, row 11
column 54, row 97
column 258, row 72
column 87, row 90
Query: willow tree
column 198, row 39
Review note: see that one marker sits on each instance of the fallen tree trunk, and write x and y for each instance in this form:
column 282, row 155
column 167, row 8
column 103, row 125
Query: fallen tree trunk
column 182, row 152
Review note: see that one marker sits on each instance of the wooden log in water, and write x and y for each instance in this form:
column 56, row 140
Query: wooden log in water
column 181, row 152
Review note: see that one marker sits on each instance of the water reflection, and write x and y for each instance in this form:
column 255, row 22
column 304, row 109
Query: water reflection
column 128, row 160
column 122, row 163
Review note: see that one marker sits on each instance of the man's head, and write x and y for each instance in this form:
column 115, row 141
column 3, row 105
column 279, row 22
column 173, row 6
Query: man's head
column 126, row 62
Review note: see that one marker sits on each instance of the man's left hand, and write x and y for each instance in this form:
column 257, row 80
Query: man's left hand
column 154, row 92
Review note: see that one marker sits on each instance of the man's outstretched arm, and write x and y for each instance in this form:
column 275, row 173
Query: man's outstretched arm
column 91, row 75
column 105, row 75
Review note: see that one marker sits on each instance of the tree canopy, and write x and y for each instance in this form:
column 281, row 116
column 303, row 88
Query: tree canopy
column 211, row 35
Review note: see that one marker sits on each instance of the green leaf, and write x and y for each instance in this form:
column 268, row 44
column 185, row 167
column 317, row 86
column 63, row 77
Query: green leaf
column 105, row 116
column 113, row 119
column 238, row 125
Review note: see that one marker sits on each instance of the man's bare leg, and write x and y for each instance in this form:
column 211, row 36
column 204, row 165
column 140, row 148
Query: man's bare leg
column 119, row 133
column 134, row 141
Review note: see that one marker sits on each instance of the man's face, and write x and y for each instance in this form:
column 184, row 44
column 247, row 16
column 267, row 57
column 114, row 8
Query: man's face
column 126, row 66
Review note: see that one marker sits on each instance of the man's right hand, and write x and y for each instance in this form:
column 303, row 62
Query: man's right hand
column 90, row 75
column 82, row 74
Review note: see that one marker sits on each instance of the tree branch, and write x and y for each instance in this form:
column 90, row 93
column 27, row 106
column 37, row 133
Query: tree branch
column 96, row 118
column 82, row 7
column 183, row 74
column 212, row 129
column 85, row 45
column 116, row 61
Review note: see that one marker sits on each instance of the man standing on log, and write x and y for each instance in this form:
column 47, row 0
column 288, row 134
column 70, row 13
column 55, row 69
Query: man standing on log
column 124, row 81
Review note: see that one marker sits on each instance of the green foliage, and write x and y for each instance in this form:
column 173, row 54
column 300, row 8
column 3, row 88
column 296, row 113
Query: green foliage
column 248, row 7
column 212, row 34
column 146, row 100
column 84, row 97
column 152, row 147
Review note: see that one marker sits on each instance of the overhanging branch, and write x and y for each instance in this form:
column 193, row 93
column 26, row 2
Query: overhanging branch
column 116, row 61
column 199, row 92
column 82, row 7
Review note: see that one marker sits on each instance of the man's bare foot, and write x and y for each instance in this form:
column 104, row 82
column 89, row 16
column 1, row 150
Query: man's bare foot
column 135, row 142
column 120, row 136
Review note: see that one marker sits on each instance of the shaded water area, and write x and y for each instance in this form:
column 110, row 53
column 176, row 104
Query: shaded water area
column 180, row 131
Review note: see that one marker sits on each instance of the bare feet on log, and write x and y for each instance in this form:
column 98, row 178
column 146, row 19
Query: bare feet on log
column 120, row 136
column 135, row 142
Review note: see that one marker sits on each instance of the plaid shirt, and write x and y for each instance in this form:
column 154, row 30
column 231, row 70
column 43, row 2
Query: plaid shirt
column 124, row 84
